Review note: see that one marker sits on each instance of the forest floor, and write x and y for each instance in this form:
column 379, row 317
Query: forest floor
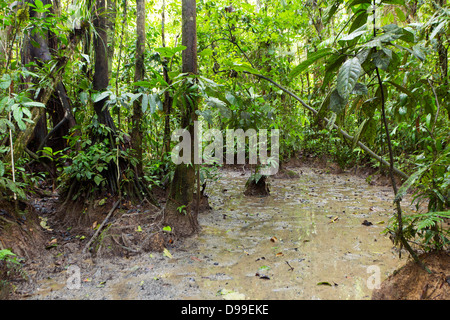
column 317, row 236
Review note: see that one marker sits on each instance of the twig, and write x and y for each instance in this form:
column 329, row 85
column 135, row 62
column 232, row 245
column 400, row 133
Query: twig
column 101, row 226
column 291, row 268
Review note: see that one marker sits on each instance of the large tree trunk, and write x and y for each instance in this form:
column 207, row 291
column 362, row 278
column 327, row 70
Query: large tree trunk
column 100, row 83
column 168, row 99
column 136, row 133
column 184, row 221
column 55, row 96
column 135, row 190
column 101, row 75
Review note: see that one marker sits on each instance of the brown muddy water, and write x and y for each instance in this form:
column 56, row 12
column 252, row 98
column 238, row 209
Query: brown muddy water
column 305, row 241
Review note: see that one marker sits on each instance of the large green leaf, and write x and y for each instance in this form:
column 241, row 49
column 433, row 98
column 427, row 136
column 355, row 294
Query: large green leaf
column 337, row 103
column 330, row 11
column 348, row 76
column 2, row 169
column 382, row 58
column 358, row 133
column 352, row 36
column 5, row 81
column 360, row 20
column 409, row 182
column 313, row 57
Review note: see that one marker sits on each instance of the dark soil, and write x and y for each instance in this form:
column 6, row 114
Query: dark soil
column 412, row 282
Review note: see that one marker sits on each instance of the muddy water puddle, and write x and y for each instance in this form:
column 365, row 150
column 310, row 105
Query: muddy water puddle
column 305, row 241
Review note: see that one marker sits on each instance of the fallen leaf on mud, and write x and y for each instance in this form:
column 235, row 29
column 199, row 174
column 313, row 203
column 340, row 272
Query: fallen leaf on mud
column 166, row 253
column 53, row 243
column 94, row 225
column 336, row 218
column 262, row 276
column 279, row 254
column 326, row 283
column 274, row 239
column 44, row 225
column 196, row 259
column 380, row 222
column 231, row 295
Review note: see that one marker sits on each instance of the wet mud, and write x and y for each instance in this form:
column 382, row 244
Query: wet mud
column 307, row 240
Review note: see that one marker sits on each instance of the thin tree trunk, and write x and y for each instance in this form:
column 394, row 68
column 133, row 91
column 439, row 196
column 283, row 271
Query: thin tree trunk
column 111, row 28
column 136, row 134
column 168, row 99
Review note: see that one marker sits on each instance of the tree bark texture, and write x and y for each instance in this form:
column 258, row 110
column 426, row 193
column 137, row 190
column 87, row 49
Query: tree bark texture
column 136, row 134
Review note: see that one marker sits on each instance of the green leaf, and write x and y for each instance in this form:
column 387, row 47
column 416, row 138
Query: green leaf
column 381, row 59
column 166, row 52
column 356, row 2
column 332, row 121
column 98, row 179
column 215, row 102
column 167, row 228
column 437, row 29
column 401, row 88
column 33, row 104
column 400, row 14
column 359, row 21
column 348, row 76
column 401, row 2
column 313, row 57
column 2, row 169
column 243, row 67
column 360, row 89
column 337, row 103
column 207, row 115
column 418, row 52
column 144, row 102
column 350, row 37
column 100, row 96
column 358, row 133
column 330, row 11
column 5, row 81
column 409, row 182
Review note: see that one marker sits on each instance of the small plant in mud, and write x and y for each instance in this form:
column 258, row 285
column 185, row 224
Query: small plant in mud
column 182, row 209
